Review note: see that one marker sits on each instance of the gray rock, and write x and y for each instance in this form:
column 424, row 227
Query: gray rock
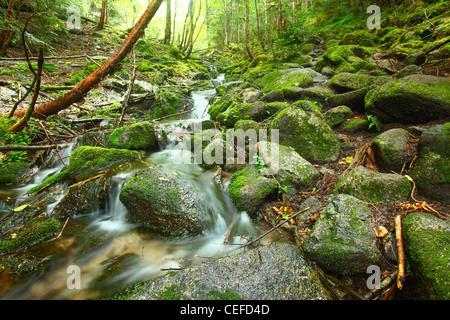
column 274, row 272
column 251, row 95
column 7, row 94
column 409, row 70
column 337, row 115
column 342, row 239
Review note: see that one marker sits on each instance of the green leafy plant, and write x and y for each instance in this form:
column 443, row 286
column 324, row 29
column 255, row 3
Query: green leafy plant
column 374, row 121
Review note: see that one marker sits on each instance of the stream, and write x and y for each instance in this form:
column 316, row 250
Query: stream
column 92, row 243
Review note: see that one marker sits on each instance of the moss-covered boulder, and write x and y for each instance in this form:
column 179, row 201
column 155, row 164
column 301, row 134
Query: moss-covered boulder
column 412, row 99
column 392, row 149
column 138, row 136
column 167, row 203
column 11, row 172
column 342, row 239
column 219, row 106
column 235, row 112
column 346, row 58
column 352, row 99
column 303, row 127
column 288, row 78
column 431, row 172
column 337, row 115
column 354, row 125
column 344, row 82
column 373, row 186
column 287, row 165
column 317, row 93
column 249, row 189
column 86, row 161
column 426, row 240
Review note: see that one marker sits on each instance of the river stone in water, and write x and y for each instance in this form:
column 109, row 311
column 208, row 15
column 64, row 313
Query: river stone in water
column 166, row 203
column 274, row 272
column 342, row 239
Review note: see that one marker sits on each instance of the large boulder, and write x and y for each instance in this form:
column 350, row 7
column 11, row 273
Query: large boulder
column 426, row 240
column 166, row 203
column 373, row 186
column 412, row 99
column 431, row 172
column 274, row 272
column 346, row 58
column 303, row 127
column 342, row 239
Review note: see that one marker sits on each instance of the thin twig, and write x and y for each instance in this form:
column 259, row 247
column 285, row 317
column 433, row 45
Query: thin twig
column 401, row 255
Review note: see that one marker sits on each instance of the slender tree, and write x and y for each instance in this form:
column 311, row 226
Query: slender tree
column 6, row 33
column 247, row 17
column 81, row 89
column 168, row 31
column 101, row 23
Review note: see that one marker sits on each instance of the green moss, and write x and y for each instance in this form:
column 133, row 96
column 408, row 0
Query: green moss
column 219, row 106
column 33, row 232
column 11, row 171
column 235, row 112
column 63, row 175
column 173, row 292
column 85, row 161
column 284, row 79
column 226, row 295
column 345, row 58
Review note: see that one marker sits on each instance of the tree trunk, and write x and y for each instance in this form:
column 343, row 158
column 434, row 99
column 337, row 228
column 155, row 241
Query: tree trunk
column 4, row 37
column 247, row 17
column 101, row 23
column 82, row 88
column 167, row 33
column 258, row 26
column 208, row 30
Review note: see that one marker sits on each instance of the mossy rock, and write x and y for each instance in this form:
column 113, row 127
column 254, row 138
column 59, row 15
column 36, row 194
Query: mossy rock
column 35, row 231
column 167, row 203
column 138, row 136
column 346, row 58
column 249, row 189
column 412, row 99
column 426, row 240
column 235, row 112
column 337, row 115
column 219, row 106
column 11, row 172
column 86, row 161
column 373, row 186
column 344, row 82
column 342, row 240
column 391, row 149
column 354, row 125
column 352, row 99
column 288, row 78
column 303, row 127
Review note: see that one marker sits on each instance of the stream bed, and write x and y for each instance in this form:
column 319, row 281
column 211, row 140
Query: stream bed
column 106, row 240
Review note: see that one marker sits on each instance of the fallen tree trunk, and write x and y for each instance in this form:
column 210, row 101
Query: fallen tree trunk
column 81, row 89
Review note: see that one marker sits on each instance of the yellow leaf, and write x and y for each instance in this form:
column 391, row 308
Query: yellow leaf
column 163, row 179
column 349, row 159
column 381, row 232
column 13, row 236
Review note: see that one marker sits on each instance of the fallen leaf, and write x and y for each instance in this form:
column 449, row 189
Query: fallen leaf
column 21, row 208
column 381, row 232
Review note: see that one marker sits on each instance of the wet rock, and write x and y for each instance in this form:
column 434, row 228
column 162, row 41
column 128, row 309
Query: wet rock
column 426, row 240
column 373, row 186
column 274, row 272
column 412, row 99
column 342, row 239
column 303, row 127
column 167, row 203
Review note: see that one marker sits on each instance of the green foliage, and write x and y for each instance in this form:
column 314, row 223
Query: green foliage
column 374, row 121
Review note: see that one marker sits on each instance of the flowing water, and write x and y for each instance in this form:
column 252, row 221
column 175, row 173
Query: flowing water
column 117, row 236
